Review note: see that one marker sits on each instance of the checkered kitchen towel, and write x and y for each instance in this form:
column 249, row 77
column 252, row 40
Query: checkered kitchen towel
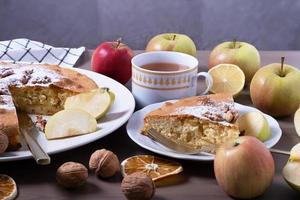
column 29, row 51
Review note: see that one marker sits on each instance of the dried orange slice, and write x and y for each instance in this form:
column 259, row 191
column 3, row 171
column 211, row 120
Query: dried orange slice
column 156, row 168
column 8, row 187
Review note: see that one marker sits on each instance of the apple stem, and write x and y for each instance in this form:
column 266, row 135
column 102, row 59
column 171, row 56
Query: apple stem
column 119, row 40
column 236, row 144
column 234, row 42
column 174, row 36
column 281, row 67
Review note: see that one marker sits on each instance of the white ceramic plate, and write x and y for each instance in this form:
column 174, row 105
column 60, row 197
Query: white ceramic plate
column 120, row 112
column 135, row 124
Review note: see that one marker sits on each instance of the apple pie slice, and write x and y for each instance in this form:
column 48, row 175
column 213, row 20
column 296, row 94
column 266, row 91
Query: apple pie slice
column 202, row 122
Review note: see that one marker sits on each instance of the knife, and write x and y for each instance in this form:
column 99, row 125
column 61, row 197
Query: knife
column 30, row 133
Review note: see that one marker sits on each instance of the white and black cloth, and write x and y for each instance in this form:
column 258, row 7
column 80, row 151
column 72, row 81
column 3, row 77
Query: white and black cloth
column 29, row 51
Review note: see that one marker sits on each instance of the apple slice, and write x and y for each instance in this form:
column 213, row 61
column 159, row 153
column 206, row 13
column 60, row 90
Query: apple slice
column 297, row 121
column 291, row 174
column 295, row 153
column 254, row 124
column 96, row 102
column 71, row 122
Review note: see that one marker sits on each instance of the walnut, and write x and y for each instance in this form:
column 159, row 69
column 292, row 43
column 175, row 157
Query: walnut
column 6, row 72
column 138, row 186
column 4, row 91
column 25, row 78
column 228, row 116
column 40, row 123
column 71, row 175
column 43, row 80
column 104, row 163
column 42, row 98
column 3, row 142
column 28, row 71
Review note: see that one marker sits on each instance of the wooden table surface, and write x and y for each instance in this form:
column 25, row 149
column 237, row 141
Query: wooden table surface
column 198, row 182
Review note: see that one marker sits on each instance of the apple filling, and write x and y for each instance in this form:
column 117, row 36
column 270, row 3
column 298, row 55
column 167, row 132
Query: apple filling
column 199, row 134
column 39, row 100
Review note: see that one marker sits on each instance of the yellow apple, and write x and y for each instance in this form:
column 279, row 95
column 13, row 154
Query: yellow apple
column 274, row 89
column 254, row 124
column 172, row 42
column 242, row 54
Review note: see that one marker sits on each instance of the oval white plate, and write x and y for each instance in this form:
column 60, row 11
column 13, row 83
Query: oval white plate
column 135, row 124
column 120, row 112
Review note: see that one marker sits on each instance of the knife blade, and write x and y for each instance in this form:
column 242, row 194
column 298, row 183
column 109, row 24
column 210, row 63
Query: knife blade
column 30, row 133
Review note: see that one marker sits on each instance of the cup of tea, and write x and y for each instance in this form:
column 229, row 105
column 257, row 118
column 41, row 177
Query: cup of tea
column 163, row 75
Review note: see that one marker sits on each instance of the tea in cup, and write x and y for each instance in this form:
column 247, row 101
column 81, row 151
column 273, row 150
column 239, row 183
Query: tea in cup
column 163, row 75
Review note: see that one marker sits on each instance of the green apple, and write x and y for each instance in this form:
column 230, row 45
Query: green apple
column 242, row 54
column 254, row 124
column 291, row 171
column 274, row 89
column 297, row 121
column 172, row 42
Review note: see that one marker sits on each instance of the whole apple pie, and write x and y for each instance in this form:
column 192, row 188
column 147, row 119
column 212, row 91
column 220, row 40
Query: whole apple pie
column 202, row 122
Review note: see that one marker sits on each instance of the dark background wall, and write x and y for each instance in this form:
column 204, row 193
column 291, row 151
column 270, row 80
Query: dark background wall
column 268, row 24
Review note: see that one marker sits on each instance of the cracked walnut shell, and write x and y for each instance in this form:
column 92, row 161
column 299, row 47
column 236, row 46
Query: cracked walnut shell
column 138, row 186
column 104, row 163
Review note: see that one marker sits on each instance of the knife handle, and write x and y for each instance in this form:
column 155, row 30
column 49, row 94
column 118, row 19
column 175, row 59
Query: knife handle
column 40, row 156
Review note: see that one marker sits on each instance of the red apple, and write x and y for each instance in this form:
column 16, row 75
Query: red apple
column 113, row 59
column 244, row 168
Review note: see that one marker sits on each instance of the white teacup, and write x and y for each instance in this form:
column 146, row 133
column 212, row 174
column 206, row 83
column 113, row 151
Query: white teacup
column 150, row 86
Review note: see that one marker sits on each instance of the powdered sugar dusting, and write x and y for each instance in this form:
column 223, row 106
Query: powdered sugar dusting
column 6, row 102
column 222, row 112
column 27, row 75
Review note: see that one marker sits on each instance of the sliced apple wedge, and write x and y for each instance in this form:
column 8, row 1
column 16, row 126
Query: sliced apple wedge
column 96, row 102
column 295, row 153
column 70, row 122
column 291, row 171
column 254, row 124
column 297, row 121
column 291, row 174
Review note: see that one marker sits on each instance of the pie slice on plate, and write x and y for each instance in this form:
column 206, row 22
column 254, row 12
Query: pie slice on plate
column 202, row 122
column 35, row 89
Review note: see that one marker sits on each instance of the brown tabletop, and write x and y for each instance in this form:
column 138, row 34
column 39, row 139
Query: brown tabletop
column 198, row 182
